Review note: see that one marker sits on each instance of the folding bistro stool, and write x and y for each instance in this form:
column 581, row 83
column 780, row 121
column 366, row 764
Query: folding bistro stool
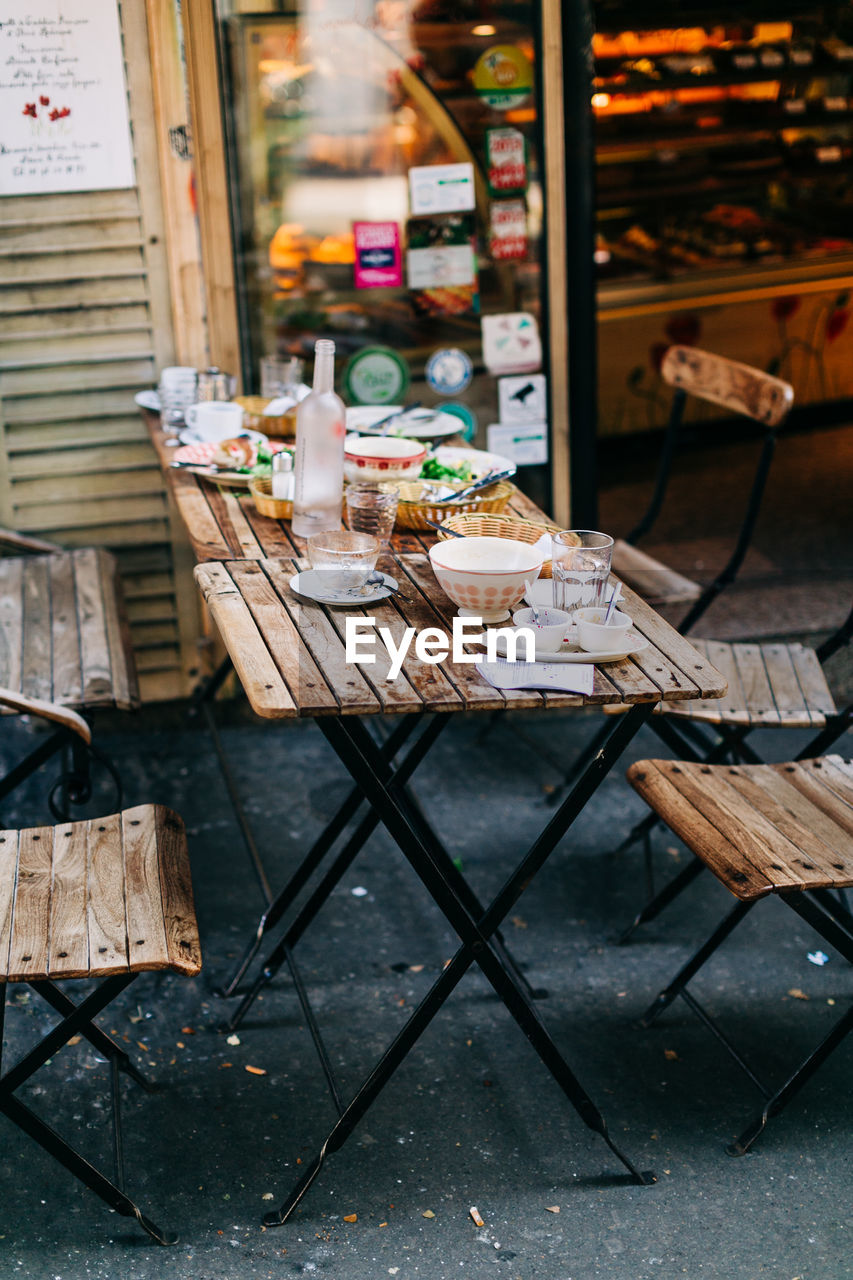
column 783, row 828
column 102, row 900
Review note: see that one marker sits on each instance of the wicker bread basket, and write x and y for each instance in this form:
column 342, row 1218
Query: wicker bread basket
column 254, row 418
column 413, row 513
column 477, row 525
column 260, row 488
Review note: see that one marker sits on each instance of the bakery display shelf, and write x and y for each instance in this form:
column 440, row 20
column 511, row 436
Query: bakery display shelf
column 733, row 281
column 611, row 16
column 628, row 137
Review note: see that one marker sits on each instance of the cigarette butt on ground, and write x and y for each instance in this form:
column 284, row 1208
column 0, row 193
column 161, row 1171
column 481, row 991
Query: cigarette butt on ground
column 475, row 1214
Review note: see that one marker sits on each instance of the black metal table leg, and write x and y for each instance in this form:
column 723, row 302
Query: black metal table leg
column 332, row 876
column 476, row 935
column 314, row 857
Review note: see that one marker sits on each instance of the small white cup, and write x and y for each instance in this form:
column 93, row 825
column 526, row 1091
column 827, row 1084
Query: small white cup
column 549, row 631
column 215, row 420
column 594, row 637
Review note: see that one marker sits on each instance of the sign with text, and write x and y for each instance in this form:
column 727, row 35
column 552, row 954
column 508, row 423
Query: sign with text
column 377, row 255
column 63, row 99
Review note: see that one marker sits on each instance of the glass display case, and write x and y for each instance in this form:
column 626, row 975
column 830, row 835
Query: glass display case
column 387, row 189
column 724, row 140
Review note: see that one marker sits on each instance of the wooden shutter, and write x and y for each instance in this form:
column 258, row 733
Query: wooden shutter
column 85, row 323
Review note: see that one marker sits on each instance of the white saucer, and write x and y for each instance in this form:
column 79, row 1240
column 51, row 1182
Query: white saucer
column 309, row 583
column 148, row 400
column 191, row 436
column 421, row 424
column 570, row 652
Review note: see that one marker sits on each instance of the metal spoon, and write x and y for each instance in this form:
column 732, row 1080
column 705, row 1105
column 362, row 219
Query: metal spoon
column 443, row 528
column 376, row 579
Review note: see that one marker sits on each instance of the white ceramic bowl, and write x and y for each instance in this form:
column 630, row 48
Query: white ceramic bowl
column 373, row 458
column 484, row 576
column 549, row 631
column 594, row 637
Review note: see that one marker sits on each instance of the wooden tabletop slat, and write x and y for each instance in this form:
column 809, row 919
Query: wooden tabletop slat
column 31, row 913
column 11, row 622
column 416, row 568
column 176, row 890
column 94, row 641
column 106, row 912
column 272, row 535
column 322, row 643
column 8, row 885
column 309, row 690
column 394, row 696
column 36, row 672
column 813, row 684
column 67, row 678
column 656, row 783
column 147, row 945
column 69, row 936
column 260, row 677
column 677, row 649
column 207, row 539
column 234, row 525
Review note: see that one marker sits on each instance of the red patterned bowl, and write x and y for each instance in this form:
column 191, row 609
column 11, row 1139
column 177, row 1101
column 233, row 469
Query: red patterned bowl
column 373, row 458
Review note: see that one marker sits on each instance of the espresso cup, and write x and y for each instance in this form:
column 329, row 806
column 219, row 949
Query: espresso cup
column 594, row 637
column 215, row 420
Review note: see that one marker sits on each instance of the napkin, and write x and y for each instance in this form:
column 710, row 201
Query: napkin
column 558, row 677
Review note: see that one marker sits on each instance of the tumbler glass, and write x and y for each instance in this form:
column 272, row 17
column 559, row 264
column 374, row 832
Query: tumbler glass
column 580, row 567
column 372, row 508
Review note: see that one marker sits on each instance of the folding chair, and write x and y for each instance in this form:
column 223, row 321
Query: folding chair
column 785, row 829
column 64, row 640
column 101, row 900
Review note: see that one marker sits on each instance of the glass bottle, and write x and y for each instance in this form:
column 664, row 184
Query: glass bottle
column 320, row 435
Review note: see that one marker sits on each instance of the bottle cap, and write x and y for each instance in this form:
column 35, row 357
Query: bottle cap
column 282, row 461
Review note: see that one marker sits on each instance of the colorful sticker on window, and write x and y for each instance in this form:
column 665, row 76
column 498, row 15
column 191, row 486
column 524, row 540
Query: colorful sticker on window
column 503, row 77
column 508, row 231
column 506, row 160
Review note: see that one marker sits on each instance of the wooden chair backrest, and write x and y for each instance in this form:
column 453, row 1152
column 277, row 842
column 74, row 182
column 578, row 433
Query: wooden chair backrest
column 736, row 387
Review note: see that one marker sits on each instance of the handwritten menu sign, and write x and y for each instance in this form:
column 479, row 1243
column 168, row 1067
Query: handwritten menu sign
column 63, row 100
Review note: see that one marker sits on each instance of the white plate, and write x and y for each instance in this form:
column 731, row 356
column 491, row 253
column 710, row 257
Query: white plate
column 635, row 643
column 148, row 400
column 191, row 436
column 309, row 583
column 481, row 461
column 421, row 424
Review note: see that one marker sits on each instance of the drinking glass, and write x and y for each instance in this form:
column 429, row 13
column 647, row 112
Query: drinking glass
column 280, row 376
column 580, row 567
column 372, row 508
column 177, row 391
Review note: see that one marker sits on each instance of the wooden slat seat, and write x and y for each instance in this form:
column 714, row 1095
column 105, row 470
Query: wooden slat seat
column 64, row 636
column 107, row 896
column 761, row 829
column 651, row 578
column 780, row 685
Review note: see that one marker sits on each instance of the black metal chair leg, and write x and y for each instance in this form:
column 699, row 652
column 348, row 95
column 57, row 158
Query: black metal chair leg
column 670, row 891
column 97, row 1038
column 695, row 963
column 76, row 1164
column 801, row 1076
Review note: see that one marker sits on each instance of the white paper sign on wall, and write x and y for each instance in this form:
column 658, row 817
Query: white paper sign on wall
column 522, row 399
column 525, row 442
column 511, row 343
column 63, row 99
column 442, row 188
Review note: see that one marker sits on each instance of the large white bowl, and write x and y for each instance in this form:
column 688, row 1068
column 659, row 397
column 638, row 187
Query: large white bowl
column 485, row 576
column 374, row 458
